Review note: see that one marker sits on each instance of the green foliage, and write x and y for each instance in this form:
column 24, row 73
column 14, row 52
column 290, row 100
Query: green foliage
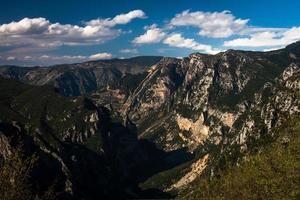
column 274, row 173
column 129, row 82
column 94, row 143
column 43, row 107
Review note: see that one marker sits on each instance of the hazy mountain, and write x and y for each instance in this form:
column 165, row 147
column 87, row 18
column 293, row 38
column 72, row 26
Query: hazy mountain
column 81, row 78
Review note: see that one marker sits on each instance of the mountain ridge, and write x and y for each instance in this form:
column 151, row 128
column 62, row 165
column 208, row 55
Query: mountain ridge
column 81, row 78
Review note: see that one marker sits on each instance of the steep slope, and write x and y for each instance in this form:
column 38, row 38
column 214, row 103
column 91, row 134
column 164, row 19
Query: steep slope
column 56, row 129
column 272, row 173
column 274, row 105
column 85, row 152
column 202, row 94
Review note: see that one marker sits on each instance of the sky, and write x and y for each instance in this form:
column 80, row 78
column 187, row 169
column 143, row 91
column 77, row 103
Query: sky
column 68, row 31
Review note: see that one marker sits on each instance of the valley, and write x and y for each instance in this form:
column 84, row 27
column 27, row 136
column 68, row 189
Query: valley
column 154, row 127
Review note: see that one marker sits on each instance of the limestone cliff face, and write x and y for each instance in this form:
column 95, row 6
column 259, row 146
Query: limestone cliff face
column 218, row 104
column 272, row 106
column 184, row 102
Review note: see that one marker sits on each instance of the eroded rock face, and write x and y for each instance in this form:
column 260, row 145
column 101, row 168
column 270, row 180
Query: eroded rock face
column 207, row 92
column 272, row 105
column 199, row 131
column 203, row 94
column 203, row 102
column 155, row 90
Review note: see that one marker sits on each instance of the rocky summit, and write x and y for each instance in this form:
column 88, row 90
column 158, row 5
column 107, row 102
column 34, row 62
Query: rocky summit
column 154, row 127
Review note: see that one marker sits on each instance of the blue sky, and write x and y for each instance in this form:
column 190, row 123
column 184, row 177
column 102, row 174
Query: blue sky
column 50, row 32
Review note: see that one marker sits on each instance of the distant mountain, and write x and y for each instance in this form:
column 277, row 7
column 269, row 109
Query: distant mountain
column 81, row 78
column 155, row 127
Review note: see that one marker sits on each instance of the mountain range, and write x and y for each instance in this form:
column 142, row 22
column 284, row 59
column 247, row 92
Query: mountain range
column 153, row 127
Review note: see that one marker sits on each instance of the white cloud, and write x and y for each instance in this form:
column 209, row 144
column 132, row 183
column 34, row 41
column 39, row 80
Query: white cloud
column 44, row 57
column 129, row 51
column 211, row 24
column 40, row 33
column 267, row 39
column 119, row 19
column 100, row 56
column 62, row 59
column 27, row 57
column 273, row 49
column 152, row 35
column 11, row 58
column 57, row 59
column 292, row 34
column 74, row 57
column 249, row 30
column 25, row 26
column 176, row 40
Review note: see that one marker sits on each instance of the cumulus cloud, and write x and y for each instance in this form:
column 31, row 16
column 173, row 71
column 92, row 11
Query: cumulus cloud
column 129, row 51
column 100, row 56
column 44, row 57
column 176, row 40
column 211, row 24
column 40, row 33
column 10, row 58
column 119, row 19
column 25, row 26
column 27, row 57
column 152, row 35
column 266, row 39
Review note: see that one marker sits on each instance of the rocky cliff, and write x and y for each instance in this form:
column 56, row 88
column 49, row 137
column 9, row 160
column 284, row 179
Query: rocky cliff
column 216, row 105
